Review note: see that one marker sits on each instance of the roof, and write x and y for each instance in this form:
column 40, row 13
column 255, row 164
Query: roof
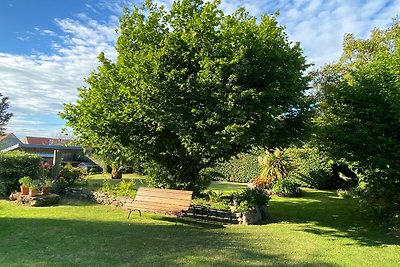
column 47, row 147
column 33, row 140
column 2, row 137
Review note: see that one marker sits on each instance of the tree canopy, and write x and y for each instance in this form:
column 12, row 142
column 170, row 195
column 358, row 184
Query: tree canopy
column 359, row 112
column 5, row 116
column 191, row 86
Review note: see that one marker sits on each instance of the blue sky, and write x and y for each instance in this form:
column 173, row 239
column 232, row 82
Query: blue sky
column 48, row 47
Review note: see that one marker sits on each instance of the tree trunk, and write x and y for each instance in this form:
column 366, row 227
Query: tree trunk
column 116, row 173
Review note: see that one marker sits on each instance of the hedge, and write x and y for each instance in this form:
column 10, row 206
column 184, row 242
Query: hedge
column 13, row 166
column 312, row 167
column 242, row 168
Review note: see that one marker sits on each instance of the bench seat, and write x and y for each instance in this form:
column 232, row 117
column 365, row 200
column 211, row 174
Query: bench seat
column 162, row 201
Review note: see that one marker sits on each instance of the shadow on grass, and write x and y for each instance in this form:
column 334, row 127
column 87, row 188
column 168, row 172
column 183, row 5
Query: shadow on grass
column 54, row 242
column 323, row 213
column 71, row 201
column 193, row 223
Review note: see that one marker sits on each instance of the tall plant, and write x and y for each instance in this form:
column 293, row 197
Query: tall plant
column 275, row 165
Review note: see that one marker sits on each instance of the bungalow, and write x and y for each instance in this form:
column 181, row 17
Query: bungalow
column 69, row 154
column 7, row 140
column 47, row 148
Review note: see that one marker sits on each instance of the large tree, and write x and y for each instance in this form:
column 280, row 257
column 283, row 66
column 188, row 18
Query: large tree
column 359, row 119
column 191, row 86
column 5, row 116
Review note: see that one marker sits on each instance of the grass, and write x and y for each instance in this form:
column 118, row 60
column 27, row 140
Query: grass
column 95, row 181
column 318, row 229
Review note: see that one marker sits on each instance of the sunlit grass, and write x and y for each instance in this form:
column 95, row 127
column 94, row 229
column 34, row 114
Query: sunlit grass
column 318, row 229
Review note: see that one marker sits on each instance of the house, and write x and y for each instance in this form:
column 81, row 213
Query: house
column 46, row 148
column 8, row 140
column 33, row 140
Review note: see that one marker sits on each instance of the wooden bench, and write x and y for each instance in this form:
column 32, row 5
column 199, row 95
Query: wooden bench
column 163, row 201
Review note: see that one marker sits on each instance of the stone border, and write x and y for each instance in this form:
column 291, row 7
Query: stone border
column 98, row 197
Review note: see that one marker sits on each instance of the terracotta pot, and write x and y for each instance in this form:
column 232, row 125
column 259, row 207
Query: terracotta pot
column 24, row 190
column 45, row 190
column 33, row 193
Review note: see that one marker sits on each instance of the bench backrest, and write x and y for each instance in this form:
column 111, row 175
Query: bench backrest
column 175, row 200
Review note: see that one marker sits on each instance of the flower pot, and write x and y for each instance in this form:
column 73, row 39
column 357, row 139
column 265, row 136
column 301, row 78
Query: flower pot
column 45, row 190
column 33, row 192
column 24, row 190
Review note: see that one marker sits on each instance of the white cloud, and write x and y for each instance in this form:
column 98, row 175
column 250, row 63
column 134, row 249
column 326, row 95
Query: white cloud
column 40, row 83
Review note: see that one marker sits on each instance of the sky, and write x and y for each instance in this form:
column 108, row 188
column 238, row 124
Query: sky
column 48, row 47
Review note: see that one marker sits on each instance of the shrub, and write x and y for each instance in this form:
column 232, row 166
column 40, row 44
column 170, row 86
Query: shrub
column 249, row 198
column 159, row 176
column 213, row 199
column 126, row 188
column 70, row 174
column 13, row 166
column 241, row 168
column 123, row 188
column 45, row 170
column 275, row 165
column 312, row 167
column 262, row 182
column 286, row 188
column 347, row 193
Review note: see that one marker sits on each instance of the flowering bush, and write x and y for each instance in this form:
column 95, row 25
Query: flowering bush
column 262, row 182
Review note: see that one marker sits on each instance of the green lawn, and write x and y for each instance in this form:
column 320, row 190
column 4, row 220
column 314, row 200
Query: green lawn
column 318, row 229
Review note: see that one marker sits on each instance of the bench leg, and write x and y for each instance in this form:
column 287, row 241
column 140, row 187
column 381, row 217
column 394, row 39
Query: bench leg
column 129, row 214
column 140, row 214
column 178, row 215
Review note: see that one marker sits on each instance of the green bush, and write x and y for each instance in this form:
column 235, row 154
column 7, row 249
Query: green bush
column 123, row 188
column 213, row 199
column 159, row 177
column 249, row 198
column 312, row 167
column 70, row 174
column 242, row 168
column 288, row 187
column 13, row 166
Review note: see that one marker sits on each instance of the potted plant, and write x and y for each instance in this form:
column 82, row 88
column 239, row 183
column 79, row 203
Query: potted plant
column 34, row 188
column 25, row 182
column 252, row 203
column 46, row 185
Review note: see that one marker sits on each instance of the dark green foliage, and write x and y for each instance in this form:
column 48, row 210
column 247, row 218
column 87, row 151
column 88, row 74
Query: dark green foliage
column 249, row 198
column 242, row 168
column 359, row 111
column 312, row 167
column 286, row 188
column 15, row 165
column 159, row 176
column 192, row 86
column 70, row 174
